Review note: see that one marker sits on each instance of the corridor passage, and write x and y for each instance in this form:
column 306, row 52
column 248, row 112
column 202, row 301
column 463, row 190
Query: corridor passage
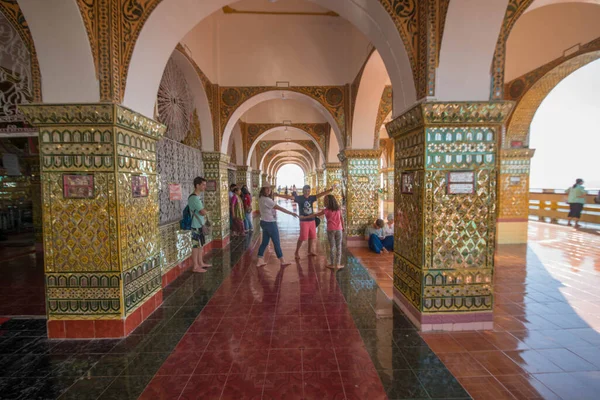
column 238, row 332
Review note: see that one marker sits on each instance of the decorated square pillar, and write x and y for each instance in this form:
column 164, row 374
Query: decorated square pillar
column 244, row 176
column 100, row 217
column 320, row 184
column 264, row 178
column 513, row 214
column 216, row 199
column 333, row 172
column 255, row 188
column 446, row 157
column 360, row 171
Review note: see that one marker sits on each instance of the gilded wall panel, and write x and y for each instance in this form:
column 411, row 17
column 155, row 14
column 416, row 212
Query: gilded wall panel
column 141, row 282
column 217, row 201
column 361, row 168
column 92, row 294
column 514, row 183
column 80, row 233
column 175, row 245
column 408, row 280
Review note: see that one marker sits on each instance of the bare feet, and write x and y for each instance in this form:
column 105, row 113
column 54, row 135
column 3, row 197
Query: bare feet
column 312, row 254
column 260, row 262
column 340, row 266
column 199, row 269
column 206, row 266
column 283, row 262
column 331, row 266
column 296, row 256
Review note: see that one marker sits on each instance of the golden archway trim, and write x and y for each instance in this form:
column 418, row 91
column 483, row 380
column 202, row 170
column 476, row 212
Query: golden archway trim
column 231, row 10
column 514, row 10
column 113, row 27
column 385, row 109
column 318, row 131
column 520, row 122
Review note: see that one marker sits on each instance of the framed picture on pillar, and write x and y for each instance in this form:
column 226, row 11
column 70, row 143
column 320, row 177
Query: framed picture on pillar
column 211, row 186
column 407, row 182
column 80, row 186
column 139, row 186
column 461, row 182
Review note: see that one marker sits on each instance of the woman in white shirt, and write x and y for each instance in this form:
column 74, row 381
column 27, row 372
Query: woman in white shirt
column 268, row 224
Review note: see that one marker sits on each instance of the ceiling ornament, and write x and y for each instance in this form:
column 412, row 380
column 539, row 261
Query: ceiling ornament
column 175, row 104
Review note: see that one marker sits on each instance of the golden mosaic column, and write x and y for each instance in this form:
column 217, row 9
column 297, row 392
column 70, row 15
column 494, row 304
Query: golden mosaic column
column 216, row 198
column 360, row 171
column 244, row 176
column 320, row 184
column 100, row 217
column 333, row 172
column 264, row 178
column 255, row 188
column 513, row 212
column 445, row 212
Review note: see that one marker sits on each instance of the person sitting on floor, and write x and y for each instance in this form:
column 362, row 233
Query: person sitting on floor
column 388, row 231
column 377, row 240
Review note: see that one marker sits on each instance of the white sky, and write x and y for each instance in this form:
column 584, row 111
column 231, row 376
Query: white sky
column 290, row 175
column 566, row 133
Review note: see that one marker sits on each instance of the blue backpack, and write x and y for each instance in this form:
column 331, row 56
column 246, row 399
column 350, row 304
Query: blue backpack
column 186, row 221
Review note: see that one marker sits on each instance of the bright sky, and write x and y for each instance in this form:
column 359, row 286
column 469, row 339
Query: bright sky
column 289, row 175
column 565, row 133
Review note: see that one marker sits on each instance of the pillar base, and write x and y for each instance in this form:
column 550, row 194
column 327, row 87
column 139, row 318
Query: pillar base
column 512, row 231
column 475, row 321
column 104, row 328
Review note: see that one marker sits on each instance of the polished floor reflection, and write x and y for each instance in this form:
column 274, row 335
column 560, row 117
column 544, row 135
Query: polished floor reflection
column 546, row 338
column 238, row 332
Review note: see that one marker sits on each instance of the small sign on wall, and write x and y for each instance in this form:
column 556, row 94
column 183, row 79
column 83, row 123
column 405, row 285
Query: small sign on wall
column 139, row 186
column 516, row 144
column 211, row 186
column 515, row 180
column 407, row 182
column 78, row 186
column 174, row 191
column 461, row 182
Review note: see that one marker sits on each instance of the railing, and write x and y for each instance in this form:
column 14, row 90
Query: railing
column 549, row 205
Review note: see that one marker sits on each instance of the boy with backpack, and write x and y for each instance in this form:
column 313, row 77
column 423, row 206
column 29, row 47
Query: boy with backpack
column 194, row 218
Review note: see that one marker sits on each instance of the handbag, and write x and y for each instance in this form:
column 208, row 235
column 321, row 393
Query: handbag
column 207, row 228
column 317, row 222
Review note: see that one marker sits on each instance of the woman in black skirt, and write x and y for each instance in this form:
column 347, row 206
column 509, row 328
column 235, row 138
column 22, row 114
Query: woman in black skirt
column 576, row 201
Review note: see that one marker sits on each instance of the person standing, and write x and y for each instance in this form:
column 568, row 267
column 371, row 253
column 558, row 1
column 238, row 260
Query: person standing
column 576, row 201
column 308, row 228
column 247, row 202
column 268, row 224
column 335, row 228
column 198, row 213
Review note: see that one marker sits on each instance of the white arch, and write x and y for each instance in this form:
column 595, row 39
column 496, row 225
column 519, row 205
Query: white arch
column 282, row 161
column 286, row 149
column 459, row 80
column 372, row 84
column 276, row 171
column 272, row 95
column 291, row 129
column 64, row 53
column 172, row 19
column 290, row 155
column 200, row 99
column 333, row 151
column 309, row 160
column 542, row 3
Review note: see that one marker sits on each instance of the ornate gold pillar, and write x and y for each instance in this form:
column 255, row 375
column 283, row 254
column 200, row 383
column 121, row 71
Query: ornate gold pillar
column 360, row 170
column 445, row 212
column 216, row 199
column 255, row 189
column 513, row 214
column 244, row 176
column 100, row 217
column 333, row 173
column 264, row 178
column 320, row 175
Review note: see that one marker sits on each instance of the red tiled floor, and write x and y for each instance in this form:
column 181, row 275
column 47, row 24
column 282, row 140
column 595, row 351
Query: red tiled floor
column 285, row 333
